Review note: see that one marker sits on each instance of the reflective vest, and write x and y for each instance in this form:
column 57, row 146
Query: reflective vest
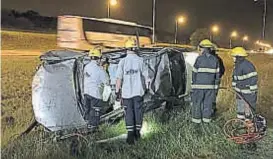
column 244, row 77
column 206, row 72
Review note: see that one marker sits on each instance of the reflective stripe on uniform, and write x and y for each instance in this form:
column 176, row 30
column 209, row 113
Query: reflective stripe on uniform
column 97, row 108
column 208, row 70
column 128, row 127
column 206, row 120
column 254, row 87
column 244, row 77
column 196, row 120
column 138, row 126
column 245, row 91
column 195, row 70
column 196, row 86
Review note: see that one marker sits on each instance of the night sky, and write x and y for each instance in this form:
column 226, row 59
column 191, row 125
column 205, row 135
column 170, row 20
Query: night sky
column 243, row 15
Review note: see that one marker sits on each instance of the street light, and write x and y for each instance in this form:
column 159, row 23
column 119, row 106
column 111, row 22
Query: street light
column 214, row 30
column 264, row 18
column 245, row 38
column 109, row 4
column 154, row 16
column 234, row 34
column 179, row 20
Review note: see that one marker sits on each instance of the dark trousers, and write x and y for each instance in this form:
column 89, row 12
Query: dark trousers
column 251, row 99
column 133, row 113
column 214, row 103
column 92, row 110
column 202, row 103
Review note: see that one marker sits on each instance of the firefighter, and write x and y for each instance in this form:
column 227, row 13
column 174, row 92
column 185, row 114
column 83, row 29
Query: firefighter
column 131, row 81
column 222, row 72
column 205, row 81
column 95, row 78
column 244, row 82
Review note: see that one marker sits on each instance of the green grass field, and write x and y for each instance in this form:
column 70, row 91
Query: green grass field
column 174, row 137
column 14, row 40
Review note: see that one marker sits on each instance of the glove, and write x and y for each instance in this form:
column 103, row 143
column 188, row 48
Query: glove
column 118, row 96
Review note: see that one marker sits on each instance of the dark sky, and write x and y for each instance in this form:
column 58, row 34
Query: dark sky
column 243, row 15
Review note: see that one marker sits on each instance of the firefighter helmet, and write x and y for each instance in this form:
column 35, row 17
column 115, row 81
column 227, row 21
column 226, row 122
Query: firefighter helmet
column 95, row 52
column 238, row 51
column 206, row 44
column 131, row 42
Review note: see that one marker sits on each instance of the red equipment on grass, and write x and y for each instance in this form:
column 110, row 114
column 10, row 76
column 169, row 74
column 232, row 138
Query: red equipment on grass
column 245, row 131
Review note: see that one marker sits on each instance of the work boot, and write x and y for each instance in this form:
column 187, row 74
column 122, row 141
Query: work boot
column 137, row 135
column 130, row 137
column 206, row 120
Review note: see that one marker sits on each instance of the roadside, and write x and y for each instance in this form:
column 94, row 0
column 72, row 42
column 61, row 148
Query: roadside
column 21, row 52
column 14, row 40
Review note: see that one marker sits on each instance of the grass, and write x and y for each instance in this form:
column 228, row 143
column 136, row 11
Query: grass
column 173, row 138
column 14, row 40
column 16, row 81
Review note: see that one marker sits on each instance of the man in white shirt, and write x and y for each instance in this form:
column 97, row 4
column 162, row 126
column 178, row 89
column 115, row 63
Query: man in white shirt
column 132, row 83
column 95, row 78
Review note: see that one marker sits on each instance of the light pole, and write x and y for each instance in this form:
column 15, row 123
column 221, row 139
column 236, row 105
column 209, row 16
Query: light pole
column 109, row 4
column 234, row 34
column 214, row 30
column 154, row 16
column 179, row 20
column 245, row 38
column 264, row 18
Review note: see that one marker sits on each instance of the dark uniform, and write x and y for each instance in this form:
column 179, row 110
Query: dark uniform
column 244, row 82
column 205, row 80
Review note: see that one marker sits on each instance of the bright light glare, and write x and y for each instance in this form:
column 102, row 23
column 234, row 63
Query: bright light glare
column 263, row 44
column 113, row 2
column 245, row 38
column 215, row 29
column 181, row 19
column 234, row 34
column 269, row 51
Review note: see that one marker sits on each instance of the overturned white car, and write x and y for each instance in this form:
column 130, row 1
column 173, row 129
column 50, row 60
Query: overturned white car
column 57, row 86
